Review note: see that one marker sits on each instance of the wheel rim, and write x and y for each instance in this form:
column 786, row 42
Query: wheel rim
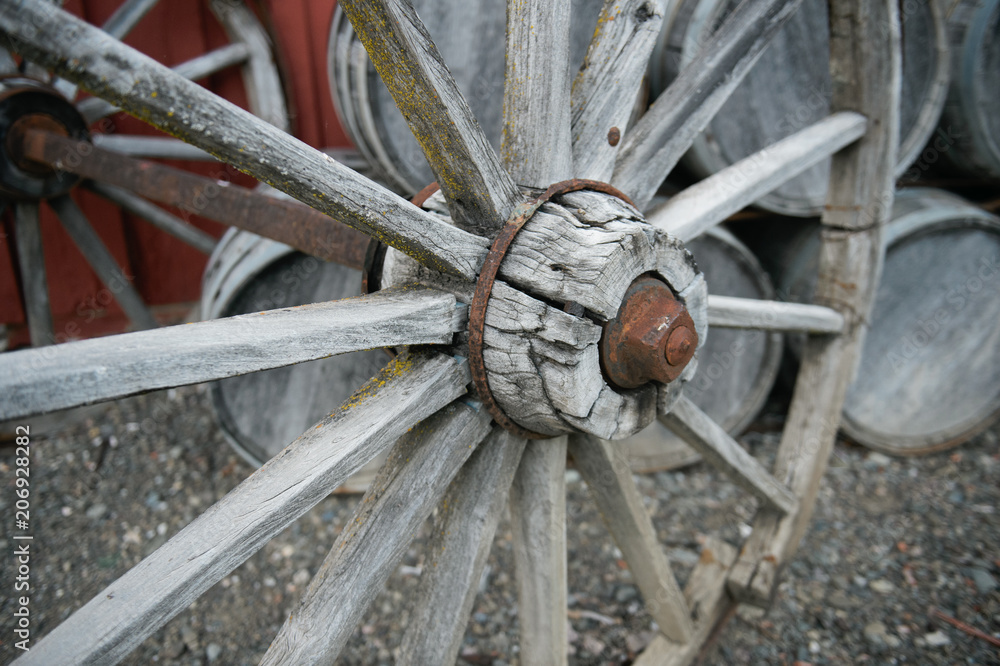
column 479, row 194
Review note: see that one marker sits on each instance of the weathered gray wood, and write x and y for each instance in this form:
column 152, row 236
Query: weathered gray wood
column 156, row 216
column 480, row 193
column 706, row 596
column 715, row 198
column 729, row 312
column 969, row 128
column 95, row 108
column 605, row 469
column 538, row 521
column 413, row 387
column 126, row 17
column 411, row 482
column 537, row 144
column 714, row 444
column 865, row 65
column 605, row 88
column 543, row 363
column 88, row 371
column 265, row 93
column 161, row 147
column 99, row 257
column 789, row 89
column 461, row 538
column 34, row 281
column 653, row 147
column 88, row 56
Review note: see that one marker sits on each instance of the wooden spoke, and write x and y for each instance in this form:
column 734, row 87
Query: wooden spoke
column 88, row 371
column 715, row 198
column 864, row 39
column 538, row 517
column 404, row 492
column 479, row 192
column 97, row 255
column 33, row 274
column 537, row 144
column 159, row 147
column 408, row 390
column 460, row 543
column 118, row 25
column 126, row 17
column 95, row 108
column 732, row 312
column 605, row 89
column 156, row 216
column 706, row 596
column 605, row 468
column 653, row 147
column 708, row 438
column 152, row 92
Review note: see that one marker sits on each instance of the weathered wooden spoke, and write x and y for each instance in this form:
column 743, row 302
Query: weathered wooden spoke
column 33, row 274
column 480, row 193
column 537, row 145
column 104, row 264
column 605, row 89
column 411, row 388
column 538, row 516
column 732, row 312
column 712, row 200
column 710, row 440
column 653, row 147
column 106, row 67
column 126, row 17
column 408, row 486
column 79, row 373
column 156, row 216
column 460, row 542
column 95, row 108
column 606, row 471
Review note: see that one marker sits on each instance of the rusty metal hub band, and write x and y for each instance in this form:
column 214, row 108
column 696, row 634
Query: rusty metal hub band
column 484, row 286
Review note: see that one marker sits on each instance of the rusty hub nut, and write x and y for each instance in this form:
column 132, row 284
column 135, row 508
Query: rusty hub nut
column 652, row 338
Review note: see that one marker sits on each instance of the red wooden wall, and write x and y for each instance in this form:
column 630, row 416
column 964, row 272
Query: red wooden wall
column 166, row 271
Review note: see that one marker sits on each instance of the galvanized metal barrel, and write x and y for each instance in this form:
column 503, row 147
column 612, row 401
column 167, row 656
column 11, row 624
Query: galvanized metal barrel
column 263, row 412
column 470, row 36
column 969, row 135
column 929, row 376
column 736, row 368
column 789, row 89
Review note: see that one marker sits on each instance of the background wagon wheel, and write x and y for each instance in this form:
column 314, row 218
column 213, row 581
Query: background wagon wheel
column 583, row 252
column 242, row 67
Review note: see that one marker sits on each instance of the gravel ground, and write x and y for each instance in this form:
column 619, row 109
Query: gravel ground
column 890, row 539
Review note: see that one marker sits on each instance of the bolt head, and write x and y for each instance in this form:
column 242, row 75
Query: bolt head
column 652, row 338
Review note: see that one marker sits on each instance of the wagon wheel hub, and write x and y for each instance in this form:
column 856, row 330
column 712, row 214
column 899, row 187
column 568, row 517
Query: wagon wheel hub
column 585, row 267
column 25, row 105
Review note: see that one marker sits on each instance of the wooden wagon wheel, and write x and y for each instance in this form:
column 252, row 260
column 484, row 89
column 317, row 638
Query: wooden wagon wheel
column 590, row 303
column 32, row 99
